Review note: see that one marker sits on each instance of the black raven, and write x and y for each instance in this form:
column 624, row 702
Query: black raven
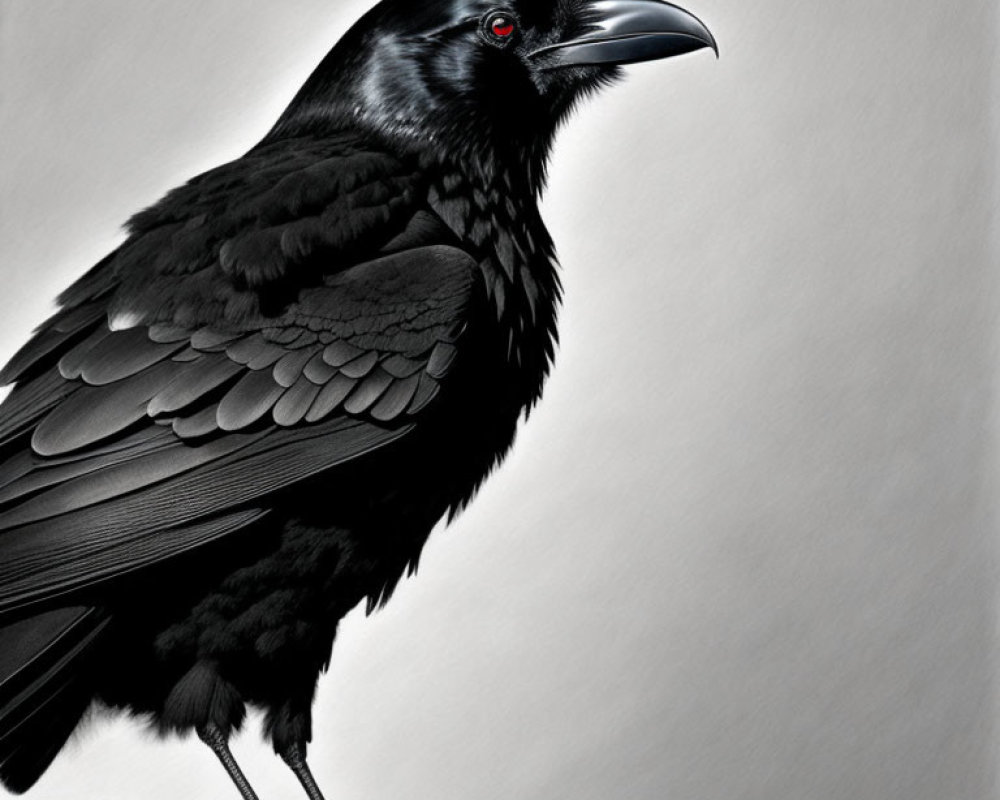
column 248, row 418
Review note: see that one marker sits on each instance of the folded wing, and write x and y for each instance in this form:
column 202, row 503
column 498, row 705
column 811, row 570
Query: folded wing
column 139, row 432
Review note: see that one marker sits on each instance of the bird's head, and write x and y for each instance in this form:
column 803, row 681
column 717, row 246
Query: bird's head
column 485, row 74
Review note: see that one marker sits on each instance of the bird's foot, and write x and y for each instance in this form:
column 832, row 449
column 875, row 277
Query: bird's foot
column 212, row 735
column 295, row 756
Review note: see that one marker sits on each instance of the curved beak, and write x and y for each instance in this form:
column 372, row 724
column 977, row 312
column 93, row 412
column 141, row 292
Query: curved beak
column 629, row 31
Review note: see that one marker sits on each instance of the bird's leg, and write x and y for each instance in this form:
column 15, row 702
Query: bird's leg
column 212, row 735
column 295, row 756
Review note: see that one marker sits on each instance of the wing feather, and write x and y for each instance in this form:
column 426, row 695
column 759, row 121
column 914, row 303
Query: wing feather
column 198, row 425
column 28, row 403
column 62, row 329
column 71, row 365
column 318, row 371
column 249, row 400
column 396, row 398
column 294, row 404
column 71, row 566
column 94, row 413
column 123, row 354
column 330, row 398
column 368, row 392
column 259, row 348
column 203, row 376
column 289, row 368
column 26, row 473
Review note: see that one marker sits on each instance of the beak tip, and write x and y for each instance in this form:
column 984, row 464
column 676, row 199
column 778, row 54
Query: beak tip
column 631, row 31
column 713, row 43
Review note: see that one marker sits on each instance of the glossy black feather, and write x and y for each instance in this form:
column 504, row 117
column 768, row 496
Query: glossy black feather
column 360, row 366
column 295, row 403
column 330, row 397
column 194, row 382
column 368, row 391
column 72, row 363
column 196, row 425
column 339, row 352
column 442, row 357
column 64, row 566
column 165, row 334
column 249, row 400
column 45, row 687
column 210, row 339
column 91, row 528
column 98, row 479
column 94, row 413
column 52, row 337
column 34, row 644
column 27, row 473
column 427, row 389
column 121, row 355
column 289, row 368
column 318, row 371
column 396, row 398
column 28, row 402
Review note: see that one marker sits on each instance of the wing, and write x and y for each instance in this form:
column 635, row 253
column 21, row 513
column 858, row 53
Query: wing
column 159, row 413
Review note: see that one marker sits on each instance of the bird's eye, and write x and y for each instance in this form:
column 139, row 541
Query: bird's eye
column 499, row 28
column 502, row 27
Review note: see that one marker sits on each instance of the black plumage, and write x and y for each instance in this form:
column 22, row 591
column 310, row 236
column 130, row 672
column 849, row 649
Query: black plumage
column 248, row 418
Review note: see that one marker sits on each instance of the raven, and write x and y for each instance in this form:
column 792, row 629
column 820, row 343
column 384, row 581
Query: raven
column 248, row 418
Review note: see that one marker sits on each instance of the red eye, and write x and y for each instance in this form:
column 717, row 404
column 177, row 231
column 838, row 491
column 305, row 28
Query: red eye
column 499, row 28
column 503, row 27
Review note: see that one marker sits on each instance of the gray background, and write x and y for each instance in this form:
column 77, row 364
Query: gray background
column 746, row 548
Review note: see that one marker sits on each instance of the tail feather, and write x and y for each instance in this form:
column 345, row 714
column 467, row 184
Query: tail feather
column 38, row 738
column 45, row 688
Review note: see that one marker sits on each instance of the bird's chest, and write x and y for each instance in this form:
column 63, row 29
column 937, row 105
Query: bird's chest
column 520, row 289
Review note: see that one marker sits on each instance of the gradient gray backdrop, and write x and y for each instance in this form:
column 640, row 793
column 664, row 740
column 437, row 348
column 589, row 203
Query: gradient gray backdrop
column 746, row 548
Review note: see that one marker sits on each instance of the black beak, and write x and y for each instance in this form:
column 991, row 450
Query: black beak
column 628, row 31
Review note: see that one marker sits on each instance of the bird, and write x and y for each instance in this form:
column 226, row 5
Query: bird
column 246, row 420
